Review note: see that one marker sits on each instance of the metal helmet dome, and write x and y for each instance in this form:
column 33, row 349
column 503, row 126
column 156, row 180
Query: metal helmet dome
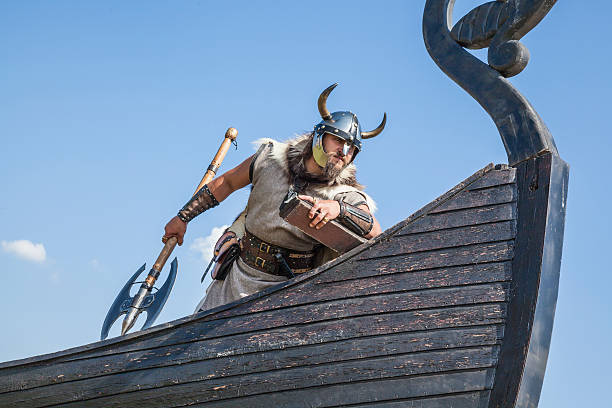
column 342, row 124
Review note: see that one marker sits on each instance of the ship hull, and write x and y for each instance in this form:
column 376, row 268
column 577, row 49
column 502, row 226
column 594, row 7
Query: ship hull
column 451, row 307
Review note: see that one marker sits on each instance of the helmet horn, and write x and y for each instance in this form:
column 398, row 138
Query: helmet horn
column 322, row 103
column 375, row 132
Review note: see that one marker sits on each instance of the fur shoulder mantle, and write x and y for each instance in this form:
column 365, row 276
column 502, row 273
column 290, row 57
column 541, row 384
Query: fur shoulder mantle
column 289, row 155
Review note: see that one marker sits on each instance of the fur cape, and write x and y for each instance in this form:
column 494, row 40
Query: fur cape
column 290, row 155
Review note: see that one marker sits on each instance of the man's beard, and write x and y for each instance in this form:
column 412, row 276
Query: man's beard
column 331, row 170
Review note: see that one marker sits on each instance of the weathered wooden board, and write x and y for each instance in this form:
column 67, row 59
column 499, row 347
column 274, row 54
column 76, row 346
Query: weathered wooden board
column 159, row 371
column 461, row 218
column 402, row 388
column 290, row 348
column 361, row 306
column 448, row 257
column 499, row 176
column 447, row 238
column 477, row 198
column 476, row 399
column 317, row 289
column 304, row 377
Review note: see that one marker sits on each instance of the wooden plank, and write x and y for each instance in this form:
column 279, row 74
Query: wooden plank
column 449, row 195
column 360, row 306
column 320, row 290
column 301, row 377
column 152, row 374
column 468, row 255
column 460, row 218
column 403, row 388
column 304, row 314
column 494, row 178
column 477, row 399
column 477, row 198
column 448, row 238
column 281, row 338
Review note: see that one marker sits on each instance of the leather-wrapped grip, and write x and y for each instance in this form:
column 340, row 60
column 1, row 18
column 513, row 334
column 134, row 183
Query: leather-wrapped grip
column 200, row 202
column 357, row 220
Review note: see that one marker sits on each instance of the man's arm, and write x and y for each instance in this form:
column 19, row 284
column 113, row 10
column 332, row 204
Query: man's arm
column 220, row 188
column 376, row 230
column 330, row 209
column 230, row 181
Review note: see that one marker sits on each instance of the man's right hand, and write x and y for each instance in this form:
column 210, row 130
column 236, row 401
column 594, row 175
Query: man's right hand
column 175, row 228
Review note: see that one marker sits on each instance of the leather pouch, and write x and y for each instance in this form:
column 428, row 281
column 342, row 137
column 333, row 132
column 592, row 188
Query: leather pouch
column 227, row 250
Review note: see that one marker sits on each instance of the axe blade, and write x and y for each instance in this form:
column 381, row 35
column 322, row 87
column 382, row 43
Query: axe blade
column 160, row 297
column 152, row 303
column 116, row 309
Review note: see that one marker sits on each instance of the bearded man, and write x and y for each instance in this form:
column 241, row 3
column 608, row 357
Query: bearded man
column 318, row 166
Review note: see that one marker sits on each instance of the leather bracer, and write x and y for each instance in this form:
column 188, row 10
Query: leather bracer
column 200, row 202
column 355, row 219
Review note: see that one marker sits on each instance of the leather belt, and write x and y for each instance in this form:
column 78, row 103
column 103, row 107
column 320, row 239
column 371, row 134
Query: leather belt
column 273, row 259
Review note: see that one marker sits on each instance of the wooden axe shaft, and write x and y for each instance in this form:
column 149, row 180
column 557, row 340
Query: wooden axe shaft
column 165, row 253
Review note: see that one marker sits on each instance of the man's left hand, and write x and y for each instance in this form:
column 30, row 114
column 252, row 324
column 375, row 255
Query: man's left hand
column 322, row 211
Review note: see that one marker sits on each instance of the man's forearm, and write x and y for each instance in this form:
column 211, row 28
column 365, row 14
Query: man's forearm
column 357, row 219
column 376, row 230
column 203, row 200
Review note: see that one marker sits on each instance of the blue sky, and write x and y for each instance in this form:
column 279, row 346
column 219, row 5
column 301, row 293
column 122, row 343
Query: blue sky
column 111, row 111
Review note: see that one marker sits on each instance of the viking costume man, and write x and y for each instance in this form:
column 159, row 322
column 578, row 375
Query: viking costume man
column 317, row 166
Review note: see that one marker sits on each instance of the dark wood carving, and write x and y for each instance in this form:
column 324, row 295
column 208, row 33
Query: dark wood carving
column 523, row 132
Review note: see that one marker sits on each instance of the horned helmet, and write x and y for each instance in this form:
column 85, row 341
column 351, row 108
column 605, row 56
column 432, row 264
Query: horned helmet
column 340, row 124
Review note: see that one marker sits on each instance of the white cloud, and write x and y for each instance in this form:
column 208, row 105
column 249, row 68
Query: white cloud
column 206, row 245
column 25, row 249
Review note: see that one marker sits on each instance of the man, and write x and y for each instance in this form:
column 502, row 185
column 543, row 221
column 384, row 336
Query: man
column 318, row 166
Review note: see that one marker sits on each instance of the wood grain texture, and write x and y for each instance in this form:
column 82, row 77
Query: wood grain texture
column 152, row 373
column 403, row 388
column 477, row 198
column 303, row 377
column 448, row 257
column 447, row 238
column 476, row 399
column 501, row 175
column 318, row 312
column 461, row 218
column 427, row 298
column 278, row 349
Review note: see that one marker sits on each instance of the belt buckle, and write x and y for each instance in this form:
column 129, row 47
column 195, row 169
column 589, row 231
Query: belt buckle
column 258, row 260
column 262, row 245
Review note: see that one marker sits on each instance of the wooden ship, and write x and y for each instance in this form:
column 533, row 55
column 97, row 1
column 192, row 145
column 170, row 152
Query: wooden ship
column 452, row 307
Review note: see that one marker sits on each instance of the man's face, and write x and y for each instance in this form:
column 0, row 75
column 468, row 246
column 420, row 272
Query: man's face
column 334, row 145
column 336, row 160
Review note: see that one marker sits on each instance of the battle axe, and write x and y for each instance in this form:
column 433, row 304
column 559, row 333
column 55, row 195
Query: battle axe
column 146, row 299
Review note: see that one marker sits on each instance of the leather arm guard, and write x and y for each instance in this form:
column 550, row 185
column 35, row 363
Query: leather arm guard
column 357, row 220
column 200, row 202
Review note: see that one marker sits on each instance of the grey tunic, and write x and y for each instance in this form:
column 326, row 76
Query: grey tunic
column 270, row 182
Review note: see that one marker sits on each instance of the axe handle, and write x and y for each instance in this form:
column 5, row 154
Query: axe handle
column 230, row 136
